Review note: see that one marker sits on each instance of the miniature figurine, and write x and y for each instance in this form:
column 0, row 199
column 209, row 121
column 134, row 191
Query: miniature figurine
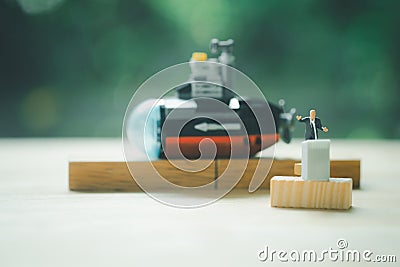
column 312, row 124
column 315, row 188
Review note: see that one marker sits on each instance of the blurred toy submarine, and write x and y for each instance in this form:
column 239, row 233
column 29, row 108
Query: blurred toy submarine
column 195, row 119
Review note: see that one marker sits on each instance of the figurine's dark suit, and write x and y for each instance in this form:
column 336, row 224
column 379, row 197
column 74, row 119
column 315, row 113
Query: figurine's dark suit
column 309, row 133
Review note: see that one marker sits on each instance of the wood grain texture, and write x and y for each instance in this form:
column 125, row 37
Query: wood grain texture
column 294, row 192
column 115, row 176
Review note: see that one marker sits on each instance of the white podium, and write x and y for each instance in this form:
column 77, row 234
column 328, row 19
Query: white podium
column 315, row 162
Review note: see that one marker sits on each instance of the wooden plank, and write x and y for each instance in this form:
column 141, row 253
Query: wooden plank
column 294, row 192
column 115, row 176
column 340, row 168
column 278, row 167
column 101, row 177
column 347, row 168
column 297, row 169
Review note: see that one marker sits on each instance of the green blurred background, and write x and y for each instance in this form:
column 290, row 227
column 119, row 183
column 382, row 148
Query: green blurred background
column 70, row 67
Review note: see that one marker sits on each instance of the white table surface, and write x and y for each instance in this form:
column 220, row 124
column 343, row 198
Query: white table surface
column 42, row 223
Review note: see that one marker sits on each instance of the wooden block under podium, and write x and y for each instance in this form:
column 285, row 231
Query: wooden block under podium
column 115, row 176
column 294, row 192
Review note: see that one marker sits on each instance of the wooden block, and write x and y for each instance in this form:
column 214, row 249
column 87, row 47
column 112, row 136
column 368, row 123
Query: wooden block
column 294, row 192
column 115, row 176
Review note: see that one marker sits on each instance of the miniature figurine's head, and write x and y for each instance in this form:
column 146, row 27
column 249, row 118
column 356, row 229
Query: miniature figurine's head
column 313, row 113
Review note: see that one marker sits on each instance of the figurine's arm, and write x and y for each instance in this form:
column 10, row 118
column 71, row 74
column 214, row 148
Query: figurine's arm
column 300, row 119
column 319, row 126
